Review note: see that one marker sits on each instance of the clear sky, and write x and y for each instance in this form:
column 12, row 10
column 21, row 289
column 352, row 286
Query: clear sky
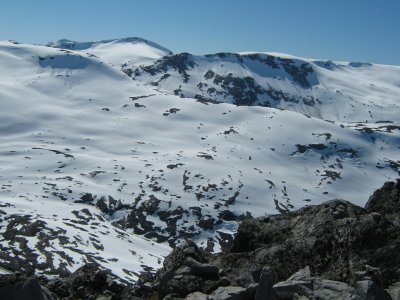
column 349, row 30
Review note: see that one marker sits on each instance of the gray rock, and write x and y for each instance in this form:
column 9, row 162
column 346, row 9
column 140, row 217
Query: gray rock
column 267, row 280
column 294, row 284
column 184, row 270
column 168, row 297
column 301, row 275
column 369, row 290
column 394, row 291
column 287, row 289
column 332, row 290
column 370, row 273
column 245, row 279
column 102, row 297
column 395, row 294
column 197, row 296
column 232, row 293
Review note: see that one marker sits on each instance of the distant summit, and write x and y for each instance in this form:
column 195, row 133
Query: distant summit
column 125, row 51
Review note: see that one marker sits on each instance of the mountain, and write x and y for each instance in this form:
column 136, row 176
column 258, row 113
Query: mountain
column 126, row 51
column 335, row 91
column 102, row 160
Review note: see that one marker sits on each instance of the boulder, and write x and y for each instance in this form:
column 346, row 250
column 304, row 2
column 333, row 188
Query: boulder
column 295, row 284
column 201, row 269
column 369, row 290
column 245, row 279
column 267, row 280
column 233, row 293
column 186, row 271
column 197, row 296
column 394, row 291
column 90, row 277
column 332, row 290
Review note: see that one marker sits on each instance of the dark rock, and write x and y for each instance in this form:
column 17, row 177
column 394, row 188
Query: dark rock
column 367, row 289
column 267, row 280
column 187, row 270
column 213, row 284
column 207, row 224
column 201, row 269
column 336, row 239
column 370, row 273
column 59, row 287
column 386, row 200
column 89, row 276
column 7, row 279
column 181, row 285
column 28, row 289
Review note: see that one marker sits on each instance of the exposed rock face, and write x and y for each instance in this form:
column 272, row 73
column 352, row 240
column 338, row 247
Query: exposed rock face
column 336, row 239
column 209, row 83
column 17, row 287
column 386, row 201
column 187, row 270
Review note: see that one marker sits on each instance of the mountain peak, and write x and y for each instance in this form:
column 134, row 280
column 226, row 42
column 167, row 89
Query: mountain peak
column 120, row 51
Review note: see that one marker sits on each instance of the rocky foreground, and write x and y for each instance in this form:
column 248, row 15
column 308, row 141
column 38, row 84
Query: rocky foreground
column 335, row 250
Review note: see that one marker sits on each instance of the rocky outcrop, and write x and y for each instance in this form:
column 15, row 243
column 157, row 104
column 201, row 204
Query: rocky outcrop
column 335, row 250
column 386, row 201
column 18, row 287
column 336, row 239
column 188, row 270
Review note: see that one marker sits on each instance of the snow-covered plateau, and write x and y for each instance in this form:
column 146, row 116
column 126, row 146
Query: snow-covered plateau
column 114, row 151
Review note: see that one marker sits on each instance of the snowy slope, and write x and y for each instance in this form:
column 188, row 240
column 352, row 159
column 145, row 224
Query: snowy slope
column 95, row 166
column 128, row 51
column 345, row 92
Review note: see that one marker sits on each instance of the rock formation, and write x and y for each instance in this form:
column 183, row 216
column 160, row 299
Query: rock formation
column 335, row 250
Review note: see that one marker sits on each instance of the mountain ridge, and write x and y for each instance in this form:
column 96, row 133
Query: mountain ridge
column 262, row 79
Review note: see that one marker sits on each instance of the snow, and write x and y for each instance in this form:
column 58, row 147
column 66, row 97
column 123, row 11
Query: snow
column 69, row 127
column 128, row 51
column 4, row 271
column 342, row 92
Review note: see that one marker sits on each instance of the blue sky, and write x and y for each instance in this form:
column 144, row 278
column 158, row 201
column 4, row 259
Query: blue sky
column 350, row 30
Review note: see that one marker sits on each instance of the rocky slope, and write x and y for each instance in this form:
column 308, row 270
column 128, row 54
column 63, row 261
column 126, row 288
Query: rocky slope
column 335, row 250
column 335, row 91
